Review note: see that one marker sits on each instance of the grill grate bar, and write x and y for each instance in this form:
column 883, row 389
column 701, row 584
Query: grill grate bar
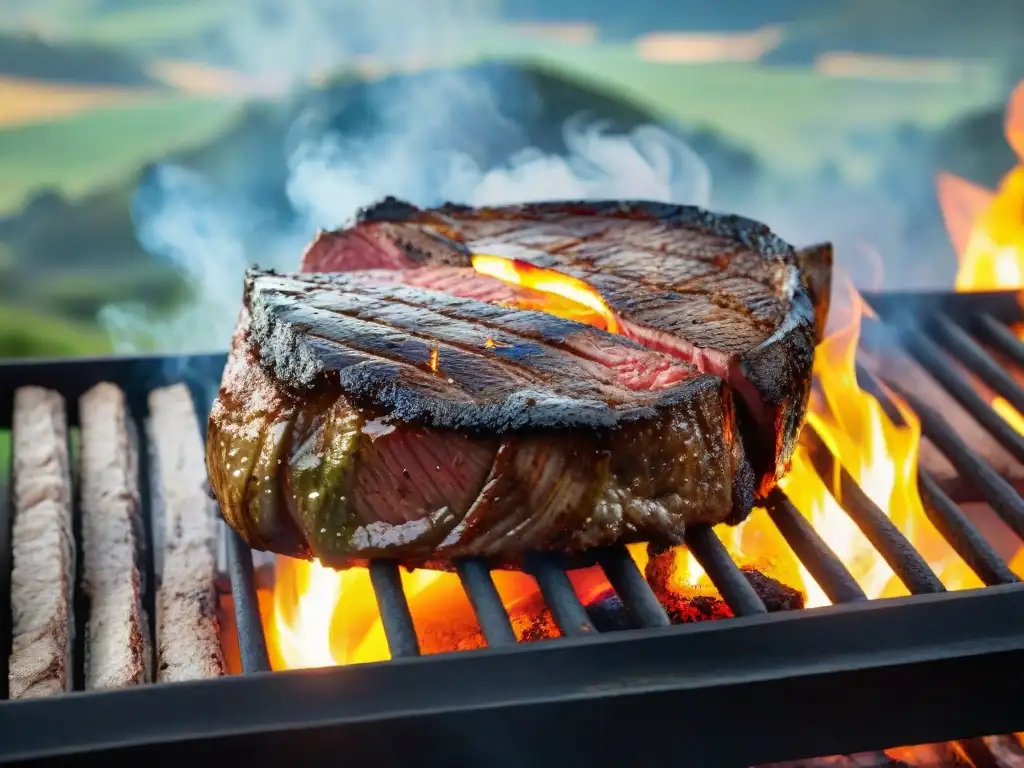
column 1003, row 339
column 974, row 357
column 483, row 596
column 394, row 609
column 999, row 493
column 906, row 562
column 961, row 534
column 821, row 562
column 252, row 643
column 937, row 363
column 728, row 579
column 566, row 609
column 632, row 588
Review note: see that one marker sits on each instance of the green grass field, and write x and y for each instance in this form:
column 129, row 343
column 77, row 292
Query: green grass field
column 102, row 146
column 140, row 28
column 791, row 117
column 27, row 332
column 153, row 24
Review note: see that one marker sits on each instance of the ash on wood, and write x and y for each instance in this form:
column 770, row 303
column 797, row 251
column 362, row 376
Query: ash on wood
column 116, row 649
column 43, row 544
column 188, row 644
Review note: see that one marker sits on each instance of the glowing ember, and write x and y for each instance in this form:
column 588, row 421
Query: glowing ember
column 433, row 359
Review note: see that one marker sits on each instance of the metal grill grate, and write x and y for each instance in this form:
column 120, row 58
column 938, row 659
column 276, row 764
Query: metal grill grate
column 947, row 655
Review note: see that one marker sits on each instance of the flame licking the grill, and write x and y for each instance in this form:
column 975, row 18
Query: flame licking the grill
column 987, row 229
column 322, row 617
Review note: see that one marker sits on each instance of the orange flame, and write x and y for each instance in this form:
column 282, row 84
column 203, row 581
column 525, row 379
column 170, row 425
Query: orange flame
column 549, row 282
column 987, row 229
column 433, row 359
column 880, row 456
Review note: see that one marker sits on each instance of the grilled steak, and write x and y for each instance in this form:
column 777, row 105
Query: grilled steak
column 408, row 405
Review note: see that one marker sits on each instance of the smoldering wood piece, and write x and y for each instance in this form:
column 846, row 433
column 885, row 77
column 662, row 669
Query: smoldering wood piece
column 117, row 642
column 890, row 363
column 43, row 548
column 187, row 633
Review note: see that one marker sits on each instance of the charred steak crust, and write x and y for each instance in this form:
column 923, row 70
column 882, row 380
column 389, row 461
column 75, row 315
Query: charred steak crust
column 408, row 406
column 375, row 342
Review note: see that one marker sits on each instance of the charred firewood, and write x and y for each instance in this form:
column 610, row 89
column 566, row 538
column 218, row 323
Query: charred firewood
column 43, row 544
column 775, row 595
column 608, row 614
column 188, row 642
column 117, row 634
column 689, row 604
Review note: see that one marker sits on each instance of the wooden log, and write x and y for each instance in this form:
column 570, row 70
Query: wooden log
column 187, row 633
column 43, row 548
column 117, row 632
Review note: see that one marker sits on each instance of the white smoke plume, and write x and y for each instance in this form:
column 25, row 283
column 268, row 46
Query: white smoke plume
column 411, row 157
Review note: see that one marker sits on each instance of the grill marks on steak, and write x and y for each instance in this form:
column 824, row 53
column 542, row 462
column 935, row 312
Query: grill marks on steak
column 484, row 354
column 720, row 292
column 333, row 438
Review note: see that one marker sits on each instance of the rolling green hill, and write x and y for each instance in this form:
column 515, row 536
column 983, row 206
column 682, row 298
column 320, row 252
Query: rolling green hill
column 29, row 56
column 791, row 117
column 103, row 146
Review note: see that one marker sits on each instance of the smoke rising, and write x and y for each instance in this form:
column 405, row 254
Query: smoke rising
column 412, row 154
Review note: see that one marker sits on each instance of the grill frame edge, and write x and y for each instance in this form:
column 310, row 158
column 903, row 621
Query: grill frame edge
column 911, row 670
